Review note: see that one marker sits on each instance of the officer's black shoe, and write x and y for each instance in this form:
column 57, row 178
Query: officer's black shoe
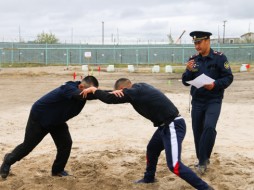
column 197, row 164
column 201, row 168
column 5, row 168
column 144, row 180
column 61, row 174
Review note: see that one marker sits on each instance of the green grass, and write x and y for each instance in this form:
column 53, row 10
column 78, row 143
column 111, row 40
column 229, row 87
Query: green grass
column 6, row 65
column 18, row 65
column 177, row 68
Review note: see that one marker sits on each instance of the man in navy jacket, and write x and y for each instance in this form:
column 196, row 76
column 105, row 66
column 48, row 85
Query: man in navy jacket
column 49, row 114
column 207, row 100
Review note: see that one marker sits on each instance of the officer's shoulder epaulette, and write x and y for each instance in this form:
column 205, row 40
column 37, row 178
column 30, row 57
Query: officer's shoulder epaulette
column 193, row 56
column 217, row 53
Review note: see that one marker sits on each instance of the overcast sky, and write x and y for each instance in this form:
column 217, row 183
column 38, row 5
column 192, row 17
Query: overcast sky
column 136, row 21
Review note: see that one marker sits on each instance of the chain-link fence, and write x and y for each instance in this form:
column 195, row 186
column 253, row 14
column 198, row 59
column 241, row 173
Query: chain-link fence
column 70, row 54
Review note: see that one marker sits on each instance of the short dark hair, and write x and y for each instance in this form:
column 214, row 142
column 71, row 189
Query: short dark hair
column 91, row 80
column 120, row 82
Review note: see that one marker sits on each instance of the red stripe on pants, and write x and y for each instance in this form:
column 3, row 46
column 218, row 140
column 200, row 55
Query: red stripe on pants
column 176, row 169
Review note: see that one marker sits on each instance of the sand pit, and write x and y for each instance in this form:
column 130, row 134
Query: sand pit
column 109, row 141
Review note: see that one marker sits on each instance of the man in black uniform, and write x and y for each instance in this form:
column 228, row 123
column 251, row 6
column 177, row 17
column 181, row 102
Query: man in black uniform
column 207, row 100
column 49, row 114
column 155, row 106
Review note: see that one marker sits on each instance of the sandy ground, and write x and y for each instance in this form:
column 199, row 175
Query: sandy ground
column 109, row 141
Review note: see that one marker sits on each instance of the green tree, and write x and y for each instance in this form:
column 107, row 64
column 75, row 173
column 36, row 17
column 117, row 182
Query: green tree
column 48, row 38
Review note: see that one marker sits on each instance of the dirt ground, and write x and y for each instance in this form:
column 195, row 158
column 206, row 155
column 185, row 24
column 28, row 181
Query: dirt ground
column 109, row 141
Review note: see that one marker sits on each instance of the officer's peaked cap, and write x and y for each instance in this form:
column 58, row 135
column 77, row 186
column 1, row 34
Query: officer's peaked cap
column 200, row 35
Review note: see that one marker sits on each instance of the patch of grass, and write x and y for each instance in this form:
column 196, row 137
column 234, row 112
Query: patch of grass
column 177, row 67
column 18, row 65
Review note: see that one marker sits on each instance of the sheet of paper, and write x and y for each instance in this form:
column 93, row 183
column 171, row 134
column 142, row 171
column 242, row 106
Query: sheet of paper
column 201, row 81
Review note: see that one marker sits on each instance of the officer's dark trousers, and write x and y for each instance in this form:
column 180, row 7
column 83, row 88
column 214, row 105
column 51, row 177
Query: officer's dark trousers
column 204, row 119
column 33, row 136
column 170, row 138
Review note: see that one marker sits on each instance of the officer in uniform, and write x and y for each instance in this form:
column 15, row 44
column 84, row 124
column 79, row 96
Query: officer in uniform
column 155, row 106
column 207, row 100
column 49, row 115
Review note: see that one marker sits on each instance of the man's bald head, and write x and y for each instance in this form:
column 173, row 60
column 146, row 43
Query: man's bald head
column 122, row 83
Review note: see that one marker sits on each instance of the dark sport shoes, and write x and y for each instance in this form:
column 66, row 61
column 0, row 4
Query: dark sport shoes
column 5, row 168
column 61, row 174
column 143, row 180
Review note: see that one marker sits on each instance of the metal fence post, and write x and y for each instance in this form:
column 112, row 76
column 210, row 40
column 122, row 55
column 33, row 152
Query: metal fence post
column 12, row 53
column 80, row 54
column 67, row 57
column 137, row 56
column 183, row 61
column 46, row 54
column 1, row 54
column 148, row 54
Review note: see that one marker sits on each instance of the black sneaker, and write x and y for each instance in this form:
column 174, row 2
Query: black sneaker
column 143, row 180
column 5, row 168
column 61, row 174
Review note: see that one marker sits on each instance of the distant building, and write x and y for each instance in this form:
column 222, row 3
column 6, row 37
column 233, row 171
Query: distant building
column 245, row 38
column 226, row 41
column 248, row 37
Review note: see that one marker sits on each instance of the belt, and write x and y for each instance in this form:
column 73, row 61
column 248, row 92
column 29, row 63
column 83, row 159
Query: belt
column 177, row 118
